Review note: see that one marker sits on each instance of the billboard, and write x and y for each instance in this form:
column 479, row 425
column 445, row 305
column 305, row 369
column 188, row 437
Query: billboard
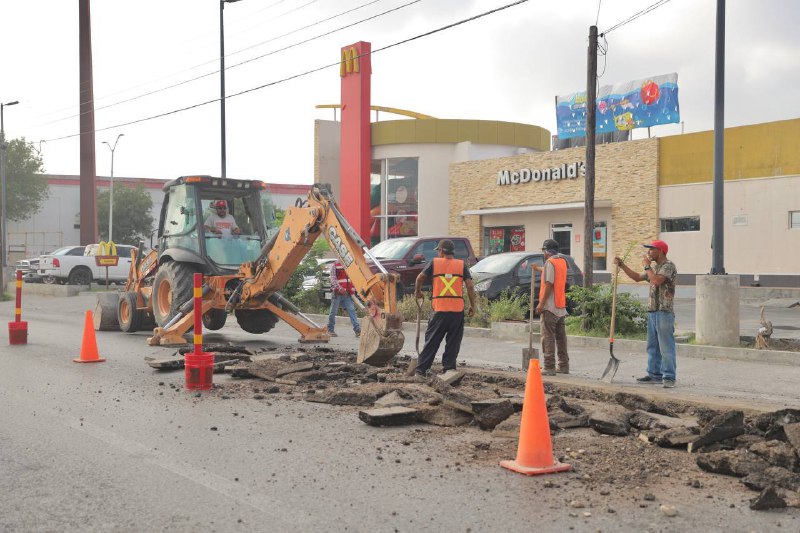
column 622, row 106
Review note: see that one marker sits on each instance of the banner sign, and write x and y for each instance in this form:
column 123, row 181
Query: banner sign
column 496, row 240
column 517, row 240
column 622, row 106
column 599, row 242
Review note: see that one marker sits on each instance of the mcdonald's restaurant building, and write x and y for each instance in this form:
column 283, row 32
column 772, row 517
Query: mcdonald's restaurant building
column 510, row 192
column 646, row 189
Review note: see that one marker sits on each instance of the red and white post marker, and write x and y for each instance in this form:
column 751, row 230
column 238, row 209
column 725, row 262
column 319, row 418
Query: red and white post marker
column 18, row 329
column 198, row 365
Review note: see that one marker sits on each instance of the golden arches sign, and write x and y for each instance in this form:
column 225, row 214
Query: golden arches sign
column 349, row 61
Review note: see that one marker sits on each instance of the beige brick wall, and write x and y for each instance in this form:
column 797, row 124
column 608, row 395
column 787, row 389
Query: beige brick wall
column 626, row 174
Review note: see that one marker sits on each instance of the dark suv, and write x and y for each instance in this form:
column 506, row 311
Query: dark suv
column 407, row 257
column 511, row 271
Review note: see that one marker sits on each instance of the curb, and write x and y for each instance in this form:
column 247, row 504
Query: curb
column 44, row 289
column 518, row 332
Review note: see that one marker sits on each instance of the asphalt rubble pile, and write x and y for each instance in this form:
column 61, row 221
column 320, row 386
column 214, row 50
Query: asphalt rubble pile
column 763, row 449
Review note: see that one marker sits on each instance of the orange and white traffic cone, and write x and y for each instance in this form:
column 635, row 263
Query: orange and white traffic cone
column 535, row 450
column 89, row 344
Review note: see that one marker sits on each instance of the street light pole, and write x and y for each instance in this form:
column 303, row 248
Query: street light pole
column 3, row 191
column 222, row 81
column 111, row 188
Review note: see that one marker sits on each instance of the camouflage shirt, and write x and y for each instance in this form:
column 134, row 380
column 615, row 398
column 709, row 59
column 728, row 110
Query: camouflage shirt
column 661, row 296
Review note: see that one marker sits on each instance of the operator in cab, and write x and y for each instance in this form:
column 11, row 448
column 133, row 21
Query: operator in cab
column 220, row 222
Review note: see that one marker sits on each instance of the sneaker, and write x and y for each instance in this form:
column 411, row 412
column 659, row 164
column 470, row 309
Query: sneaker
column 649, row 380
column 332, row 334
column 358, row 333
column 669, row 383
column 562, row 370
column 548, row 371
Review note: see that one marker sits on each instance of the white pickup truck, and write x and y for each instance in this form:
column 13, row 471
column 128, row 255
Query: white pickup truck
column 69, row 265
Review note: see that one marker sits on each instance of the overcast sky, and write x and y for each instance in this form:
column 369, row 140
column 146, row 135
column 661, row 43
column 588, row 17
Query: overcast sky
column 506, row 66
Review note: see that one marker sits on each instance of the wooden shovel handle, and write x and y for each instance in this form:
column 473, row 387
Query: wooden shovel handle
column 614, row 302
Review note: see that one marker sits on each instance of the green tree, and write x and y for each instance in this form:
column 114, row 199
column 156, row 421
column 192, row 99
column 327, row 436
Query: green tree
column 132, row 219
column 26, row 187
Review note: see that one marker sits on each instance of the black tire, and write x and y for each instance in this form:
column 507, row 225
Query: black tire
column 256, row 320
column 130, row 318
column 214, row 319
column 173, row 286
column 80, row 276
column 50, row 280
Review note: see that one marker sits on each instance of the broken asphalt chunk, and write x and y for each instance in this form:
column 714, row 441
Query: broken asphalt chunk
column 389, row 416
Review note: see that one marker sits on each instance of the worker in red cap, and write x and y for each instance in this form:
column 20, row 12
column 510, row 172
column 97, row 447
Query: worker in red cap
column 220, row 221
column 660, row 273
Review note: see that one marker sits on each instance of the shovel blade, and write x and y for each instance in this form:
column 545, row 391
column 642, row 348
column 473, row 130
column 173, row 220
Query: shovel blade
column 527, row 355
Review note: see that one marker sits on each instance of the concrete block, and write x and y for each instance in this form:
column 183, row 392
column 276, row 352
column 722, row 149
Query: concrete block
column 389, row 416
column 717, row 311
column 297, row 367
column 490, row 417
column 452, row 377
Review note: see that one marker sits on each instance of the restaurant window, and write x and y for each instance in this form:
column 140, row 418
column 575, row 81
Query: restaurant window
column 503, row 239
column 394, row 198
column 669, row 225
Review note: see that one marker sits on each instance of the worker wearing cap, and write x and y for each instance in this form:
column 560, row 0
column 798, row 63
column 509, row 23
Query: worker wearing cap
column 660, row 272
column 447, row 299
column 221, row 222
column 552, row 309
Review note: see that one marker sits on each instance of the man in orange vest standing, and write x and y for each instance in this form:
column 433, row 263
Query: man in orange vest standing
column 552, row 309
column 341, row 290
column 447, row 298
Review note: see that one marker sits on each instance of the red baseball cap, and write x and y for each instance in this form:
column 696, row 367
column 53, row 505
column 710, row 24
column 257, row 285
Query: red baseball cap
column 658, row 245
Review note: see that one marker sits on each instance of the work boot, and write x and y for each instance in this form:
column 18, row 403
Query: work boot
column 358, row 333
column 563, row 369
column 332, row 334
column 549, row 371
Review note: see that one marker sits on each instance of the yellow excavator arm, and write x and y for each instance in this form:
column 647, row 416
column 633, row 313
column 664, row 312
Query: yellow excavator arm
column 381, row 331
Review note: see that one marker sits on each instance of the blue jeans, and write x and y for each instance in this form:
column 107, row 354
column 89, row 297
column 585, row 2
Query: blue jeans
column 345, row 301
column 661, row 362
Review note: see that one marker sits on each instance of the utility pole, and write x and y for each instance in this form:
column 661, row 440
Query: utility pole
column 88, row 188
column 718, row 237
column 591, row 119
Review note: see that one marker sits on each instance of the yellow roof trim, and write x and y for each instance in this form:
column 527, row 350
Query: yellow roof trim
column 394, row 110
column 443, row 131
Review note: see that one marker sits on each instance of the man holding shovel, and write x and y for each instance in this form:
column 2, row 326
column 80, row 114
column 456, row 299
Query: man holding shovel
column 552, row 309
column 660, row 317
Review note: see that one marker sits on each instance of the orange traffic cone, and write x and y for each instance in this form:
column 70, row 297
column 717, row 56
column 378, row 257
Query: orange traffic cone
column 89, row 344
column 535, row 451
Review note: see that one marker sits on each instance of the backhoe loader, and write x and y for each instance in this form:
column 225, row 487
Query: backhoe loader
column 244, row 272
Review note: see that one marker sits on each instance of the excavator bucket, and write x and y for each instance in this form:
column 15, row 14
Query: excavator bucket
column 381, row 339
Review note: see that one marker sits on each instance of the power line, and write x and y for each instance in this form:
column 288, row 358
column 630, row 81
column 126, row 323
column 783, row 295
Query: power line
column 597, row 19
column 215, row 72
column 299, row 75
column 188, row 69
column 644, row 11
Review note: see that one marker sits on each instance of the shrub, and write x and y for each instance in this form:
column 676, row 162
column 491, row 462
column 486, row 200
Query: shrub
column 593, row 312
column 408, row 308
column 509, row 307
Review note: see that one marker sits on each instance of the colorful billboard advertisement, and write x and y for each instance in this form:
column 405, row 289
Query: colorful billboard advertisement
column 622, row 106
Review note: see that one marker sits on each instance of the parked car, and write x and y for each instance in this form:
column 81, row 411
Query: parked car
column 47, row 277
column 29, row 268
column 511, row 271
column 76, row 265
column 407, row 257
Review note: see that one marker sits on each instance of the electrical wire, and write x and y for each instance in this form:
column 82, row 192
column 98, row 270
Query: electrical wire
column 597, row 19
column 188, row 69
column 635, row 16
column 298, row 75
column 206, row 75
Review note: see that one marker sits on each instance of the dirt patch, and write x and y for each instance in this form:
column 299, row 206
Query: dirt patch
column 620, row 445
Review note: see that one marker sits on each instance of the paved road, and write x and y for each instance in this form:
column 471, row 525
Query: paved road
column 114, row 447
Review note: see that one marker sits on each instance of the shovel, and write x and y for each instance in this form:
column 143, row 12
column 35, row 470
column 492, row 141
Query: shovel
column 412, row 365
column 613, row 363
column 530, row 352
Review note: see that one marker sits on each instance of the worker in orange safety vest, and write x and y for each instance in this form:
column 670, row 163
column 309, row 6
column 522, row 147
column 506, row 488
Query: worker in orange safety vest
column 552, row 309
column 447, row 299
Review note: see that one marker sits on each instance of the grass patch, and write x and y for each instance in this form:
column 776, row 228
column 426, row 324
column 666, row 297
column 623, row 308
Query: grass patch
column 574, row 326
